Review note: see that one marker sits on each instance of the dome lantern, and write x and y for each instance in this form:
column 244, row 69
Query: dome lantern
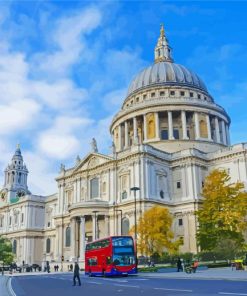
column 162, row 52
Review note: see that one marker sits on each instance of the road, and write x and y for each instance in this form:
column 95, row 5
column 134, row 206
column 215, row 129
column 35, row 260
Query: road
column 61, row 284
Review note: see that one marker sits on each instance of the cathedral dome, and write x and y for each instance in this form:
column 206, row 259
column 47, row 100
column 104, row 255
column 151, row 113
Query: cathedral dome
column 166, row 73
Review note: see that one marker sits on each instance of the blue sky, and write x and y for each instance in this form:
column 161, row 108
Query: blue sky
column 65, row 67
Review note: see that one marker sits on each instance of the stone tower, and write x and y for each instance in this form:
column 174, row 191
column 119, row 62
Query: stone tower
column 15, row 182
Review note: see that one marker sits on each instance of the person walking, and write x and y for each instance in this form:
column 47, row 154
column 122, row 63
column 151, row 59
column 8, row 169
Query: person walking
column 179, row 265
column 76, row 275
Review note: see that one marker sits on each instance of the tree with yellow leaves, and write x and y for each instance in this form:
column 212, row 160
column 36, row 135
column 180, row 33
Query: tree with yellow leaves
column 222, row 215
column 154, row 232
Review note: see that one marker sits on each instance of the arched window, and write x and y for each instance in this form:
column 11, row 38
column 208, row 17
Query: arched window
column 13, row 177
column 67, row 237
column 14, row 246
column 19, row 178
column 125, row 226
column 48, row 245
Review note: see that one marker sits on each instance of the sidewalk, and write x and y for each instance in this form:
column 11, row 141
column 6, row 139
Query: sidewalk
column 214, row 273
column 3, row 286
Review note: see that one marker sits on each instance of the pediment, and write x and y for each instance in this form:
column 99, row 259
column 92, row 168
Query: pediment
column 91, row 161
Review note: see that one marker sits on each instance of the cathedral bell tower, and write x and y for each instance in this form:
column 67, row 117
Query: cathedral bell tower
column 15, row 182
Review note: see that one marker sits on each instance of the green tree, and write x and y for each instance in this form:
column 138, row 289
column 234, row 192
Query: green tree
column 6, row 255
column 223, row 211
column 154, row 232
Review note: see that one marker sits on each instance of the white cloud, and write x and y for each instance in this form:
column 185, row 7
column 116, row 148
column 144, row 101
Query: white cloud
column 17, row 115
column 60, row 141
column 41, row 178
column 68, row 42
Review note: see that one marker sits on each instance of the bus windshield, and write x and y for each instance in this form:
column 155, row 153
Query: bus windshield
column 123, row 251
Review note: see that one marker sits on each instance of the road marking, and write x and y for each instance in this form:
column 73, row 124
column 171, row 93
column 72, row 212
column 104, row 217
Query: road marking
column 177, row 290
column 228, row 293
column 115, row 280
column 96, row 283
column 10, row 287
column 128, row 286
column 141, row 279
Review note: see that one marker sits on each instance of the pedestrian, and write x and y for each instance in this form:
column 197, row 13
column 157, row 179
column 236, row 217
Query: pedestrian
column 179, row 265
column 182, row 264
column 195, row 265
column 71, row 267
column 48, row 267
column 76, row 275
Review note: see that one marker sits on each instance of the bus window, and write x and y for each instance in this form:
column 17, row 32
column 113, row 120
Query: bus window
column 92, row 261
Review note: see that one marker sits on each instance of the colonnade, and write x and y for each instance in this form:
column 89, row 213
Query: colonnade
column 78, row 232
column 217, row 128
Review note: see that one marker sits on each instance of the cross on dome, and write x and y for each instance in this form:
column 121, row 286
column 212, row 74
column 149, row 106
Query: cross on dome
column 162, row 52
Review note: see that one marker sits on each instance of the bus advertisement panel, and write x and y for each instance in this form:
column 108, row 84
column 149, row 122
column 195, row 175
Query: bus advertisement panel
column 114, row 255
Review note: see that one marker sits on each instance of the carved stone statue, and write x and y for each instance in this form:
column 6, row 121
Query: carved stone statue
column 77, row 159
column 94, row 145
column 113, row 148
column 62, row 168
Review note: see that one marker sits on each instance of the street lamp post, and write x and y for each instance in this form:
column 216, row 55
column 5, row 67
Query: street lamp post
column 121, row 220
column 135, row 189
column 95, row 221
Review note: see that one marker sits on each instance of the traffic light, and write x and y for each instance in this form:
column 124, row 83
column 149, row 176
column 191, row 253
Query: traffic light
column 62, row 258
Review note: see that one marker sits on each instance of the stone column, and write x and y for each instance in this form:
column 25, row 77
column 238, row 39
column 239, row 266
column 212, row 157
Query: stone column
column 223, row 128
column 184, row 125
column 107, row 229
column 94, row 224
column 126, row 134
column 145, row 127
column 120, row 136
column 170, row 126
column 228, row 135
column 157, row 126
column 73, row 232
column 197, row 128
column 217, row 130
column 208, row 128
column 135, row 136
column 82, row 237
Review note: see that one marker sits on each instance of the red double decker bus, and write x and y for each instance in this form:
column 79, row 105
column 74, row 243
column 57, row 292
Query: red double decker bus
column 114, row 255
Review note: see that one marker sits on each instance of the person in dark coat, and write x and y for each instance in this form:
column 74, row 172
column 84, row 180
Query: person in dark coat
column 76, row 275
column 179, row 265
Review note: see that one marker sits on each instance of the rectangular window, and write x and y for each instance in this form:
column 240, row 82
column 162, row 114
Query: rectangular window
column 198, row 96
column 10, row 221
column 182, row 93
column 176, row 134
column 178, row 185
column 180, row 222
column 181, row 239
column 191, row 94
column 144, row 97
column 152, row 94
column 22, row 217
column 137, row 100
column 188, row 134
column 94, row 188
column 162, row 93
column 164, row 134
column 172, row 93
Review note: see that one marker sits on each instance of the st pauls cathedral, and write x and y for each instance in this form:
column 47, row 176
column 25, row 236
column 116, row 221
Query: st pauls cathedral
column 167, row 136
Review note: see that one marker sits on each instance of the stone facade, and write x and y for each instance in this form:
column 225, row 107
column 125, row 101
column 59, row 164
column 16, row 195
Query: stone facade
column 167, row 137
